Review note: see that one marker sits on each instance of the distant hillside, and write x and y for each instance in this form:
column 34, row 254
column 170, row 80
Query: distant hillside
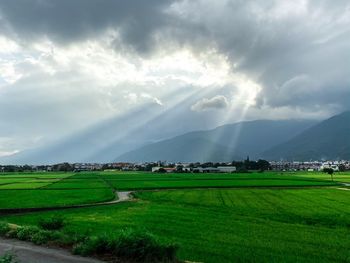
column 329, row 139
column 185, row 149
column 225, row 143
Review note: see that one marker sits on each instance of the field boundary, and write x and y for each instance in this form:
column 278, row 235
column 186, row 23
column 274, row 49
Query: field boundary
column 275, row 187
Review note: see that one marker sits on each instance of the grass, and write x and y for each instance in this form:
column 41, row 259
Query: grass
column 8, row 258
column 128, row 244
column 259, row 221
column 125, row 245
column 48, row 198
column 29, row 190
column 34, row 190
column 249, row 225
column 30, row 180
column 137, row 181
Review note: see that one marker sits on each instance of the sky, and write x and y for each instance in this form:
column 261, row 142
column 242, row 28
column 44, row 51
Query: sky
column 69, row 65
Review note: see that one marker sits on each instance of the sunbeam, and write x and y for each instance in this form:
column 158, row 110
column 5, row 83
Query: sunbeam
column 237, row 112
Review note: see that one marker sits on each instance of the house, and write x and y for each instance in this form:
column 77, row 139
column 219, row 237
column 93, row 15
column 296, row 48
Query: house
column 330, row 165
column 227, row 169
column 170, row 169
column 210, row 170
column 155, row 169
column 166, row 169
column 198, row 170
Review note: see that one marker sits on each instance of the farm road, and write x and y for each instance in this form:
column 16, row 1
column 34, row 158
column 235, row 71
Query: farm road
column 29, row 253
column 120, row 197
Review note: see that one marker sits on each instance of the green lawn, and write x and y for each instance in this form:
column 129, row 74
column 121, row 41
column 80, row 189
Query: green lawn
column 249, row 225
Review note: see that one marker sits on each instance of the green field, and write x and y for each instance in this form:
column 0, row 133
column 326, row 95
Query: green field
column 257, row 217
column 52, row 189
column 136, row 181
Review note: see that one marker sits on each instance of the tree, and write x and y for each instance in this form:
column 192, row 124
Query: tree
column 342, row 168
column 161, row 170
column 262, row 165
column 329, row 171
column 179, row 168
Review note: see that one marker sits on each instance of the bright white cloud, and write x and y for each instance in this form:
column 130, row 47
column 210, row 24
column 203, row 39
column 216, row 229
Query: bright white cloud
column 215, row 103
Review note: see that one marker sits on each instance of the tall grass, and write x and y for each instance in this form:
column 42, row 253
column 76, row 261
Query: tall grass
column 131, row 245
column 54, row 222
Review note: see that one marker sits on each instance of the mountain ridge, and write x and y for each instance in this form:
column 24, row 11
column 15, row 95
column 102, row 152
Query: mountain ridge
column 233, row 141
column 329, row 139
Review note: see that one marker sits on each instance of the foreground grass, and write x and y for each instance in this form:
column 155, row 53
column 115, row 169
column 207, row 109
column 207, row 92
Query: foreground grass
column 126, row 245
column 310, row 225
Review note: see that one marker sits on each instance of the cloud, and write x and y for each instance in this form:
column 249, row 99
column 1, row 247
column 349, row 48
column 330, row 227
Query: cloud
column 8, row 153
column 142, row 98
column 68, row 21
column 215, row 103
column 270, row 42
column 67, row 64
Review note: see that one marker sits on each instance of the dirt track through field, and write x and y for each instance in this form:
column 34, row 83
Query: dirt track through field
column 119, row 197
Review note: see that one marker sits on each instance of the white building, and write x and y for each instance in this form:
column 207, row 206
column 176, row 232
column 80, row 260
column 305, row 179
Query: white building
column 227, row 169
column 330, row 165
column 155, row 169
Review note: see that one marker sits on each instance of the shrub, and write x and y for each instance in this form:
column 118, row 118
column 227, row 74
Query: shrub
column 130, row 245
column 4, row 228
column 42, row 237
column 26, row 232
column 12, row 233
column 144, row 247
column 55, row 222
column 8, row 258
column 35, row 234
column 94, row 245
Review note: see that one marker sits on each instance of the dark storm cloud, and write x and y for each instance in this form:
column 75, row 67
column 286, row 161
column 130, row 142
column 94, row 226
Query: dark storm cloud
column 67, row 21
column 296, row 50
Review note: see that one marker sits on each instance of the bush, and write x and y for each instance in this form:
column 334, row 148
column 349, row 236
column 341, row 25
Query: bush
column 8, row 258
column 4, row 228
column 12, row 233
column 130, row 245
column 55, row 222
column 42, row 237
column 35, row 234
column 328, row 171
column 94, row 245
column 26, row 232
column 144, row 247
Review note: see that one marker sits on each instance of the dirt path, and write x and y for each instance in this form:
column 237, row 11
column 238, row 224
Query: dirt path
column 29, row 253
column 119, row 197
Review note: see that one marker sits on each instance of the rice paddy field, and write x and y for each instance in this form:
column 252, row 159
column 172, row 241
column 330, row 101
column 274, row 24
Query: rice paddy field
column 255, row 217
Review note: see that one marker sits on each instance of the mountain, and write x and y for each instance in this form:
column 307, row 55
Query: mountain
column 329, row 140
column 104, row 140
column 224, row 143
column 181, row 150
